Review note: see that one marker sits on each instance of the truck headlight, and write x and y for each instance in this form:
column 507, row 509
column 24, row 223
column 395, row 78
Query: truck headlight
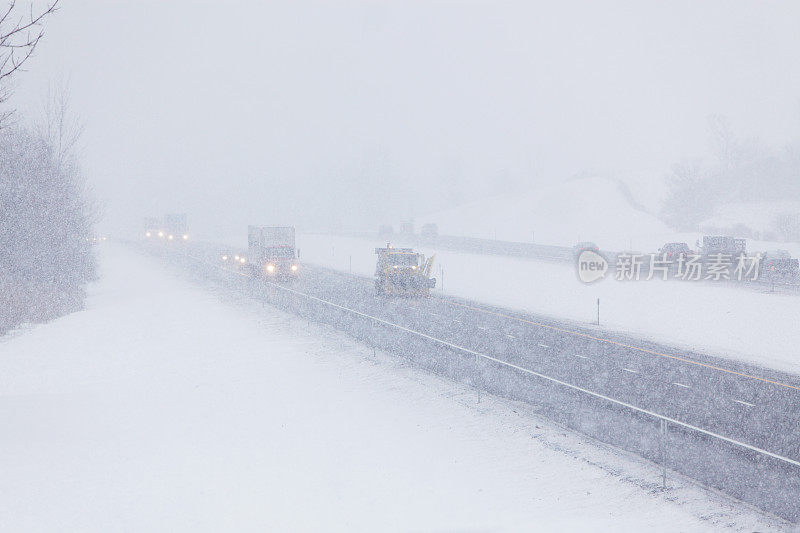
column 148, row 234
column 224, row 257
column 270, row 268
column 242, row 260
column 160, row 233
column 170, row 237
column 185, row 237
column 294, row 268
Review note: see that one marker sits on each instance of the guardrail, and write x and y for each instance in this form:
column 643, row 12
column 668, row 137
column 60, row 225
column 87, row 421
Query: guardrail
column 527, row 371
column 560, row 254
column 756, row 475
column 528, row 250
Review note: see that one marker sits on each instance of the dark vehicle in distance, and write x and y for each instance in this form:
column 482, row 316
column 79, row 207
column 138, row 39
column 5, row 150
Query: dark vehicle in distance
column 385, row 230
column 176, row 227
column 429, row 231
column 778, row 266
column 233, row 259
column 153, row 228
column 675, row 250
column 723, row 245
column 581, row 247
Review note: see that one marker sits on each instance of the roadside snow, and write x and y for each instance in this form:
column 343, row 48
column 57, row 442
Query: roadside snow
column 748, row 325
column 165, row 406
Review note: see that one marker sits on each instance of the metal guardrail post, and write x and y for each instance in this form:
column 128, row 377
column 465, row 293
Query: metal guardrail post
column 598, row 311
column 372, row 337
column 663, row 454
column 477, row 373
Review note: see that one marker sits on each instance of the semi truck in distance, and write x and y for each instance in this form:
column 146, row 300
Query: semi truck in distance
column 169, row 228
column 176, row 227
column 722, row 245
column 271, row 251
column 152, row 227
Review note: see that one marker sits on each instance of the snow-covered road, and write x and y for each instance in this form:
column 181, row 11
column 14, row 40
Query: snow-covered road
column 168, row 406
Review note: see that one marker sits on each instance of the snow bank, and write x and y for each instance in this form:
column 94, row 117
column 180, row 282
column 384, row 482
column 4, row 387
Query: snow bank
column 753, row 326
column 163, row 408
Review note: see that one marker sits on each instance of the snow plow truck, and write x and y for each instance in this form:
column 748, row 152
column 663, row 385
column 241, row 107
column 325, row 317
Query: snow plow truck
column 403, row 272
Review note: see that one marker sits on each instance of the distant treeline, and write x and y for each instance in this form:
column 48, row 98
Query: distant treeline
column 45, row 219
column 744, row 171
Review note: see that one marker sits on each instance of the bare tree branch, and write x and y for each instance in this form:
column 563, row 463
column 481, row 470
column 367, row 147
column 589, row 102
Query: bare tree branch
column 58, row 125
column 19, row 37
column 22, row 26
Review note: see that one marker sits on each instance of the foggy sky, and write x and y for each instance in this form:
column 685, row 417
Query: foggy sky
column 320, row 116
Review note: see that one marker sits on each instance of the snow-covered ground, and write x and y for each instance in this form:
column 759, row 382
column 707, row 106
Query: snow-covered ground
column 167, row 406
column 748, row 325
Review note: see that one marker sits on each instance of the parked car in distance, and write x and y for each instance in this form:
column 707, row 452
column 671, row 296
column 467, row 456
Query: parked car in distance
column 583, row 246
column 779, row 266
column 675, row 250
column 429, row 231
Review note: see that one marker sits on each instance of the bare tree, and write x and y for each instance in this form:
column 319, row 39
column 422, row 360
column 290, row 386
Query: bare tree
column 724, row 141
column 691, row 197
column 20, row 33
column 58, row 125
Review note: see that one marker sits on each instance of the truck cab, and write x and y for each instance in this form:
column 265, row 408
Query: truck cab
column 152, row 228
column 175, row 228
column 402, row 271
column 271, row 251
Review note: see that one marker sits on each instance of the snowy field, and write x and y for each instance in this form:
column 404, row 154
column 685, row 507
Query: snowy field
column 168, row 406
column 747, row 325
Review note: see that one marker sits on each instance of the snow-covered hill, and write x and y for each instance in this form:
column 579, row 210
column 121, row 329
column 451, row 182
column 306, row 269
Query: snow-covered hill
column 590, row 208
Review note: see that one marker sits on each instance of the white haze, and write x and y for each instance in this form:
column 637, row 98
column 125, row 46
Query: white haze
column 349, row 115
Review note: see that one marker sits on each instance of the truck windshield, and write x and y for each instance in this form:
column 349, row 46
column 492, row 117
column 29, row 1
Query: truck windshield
column 404, row 259
column 281, row 252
